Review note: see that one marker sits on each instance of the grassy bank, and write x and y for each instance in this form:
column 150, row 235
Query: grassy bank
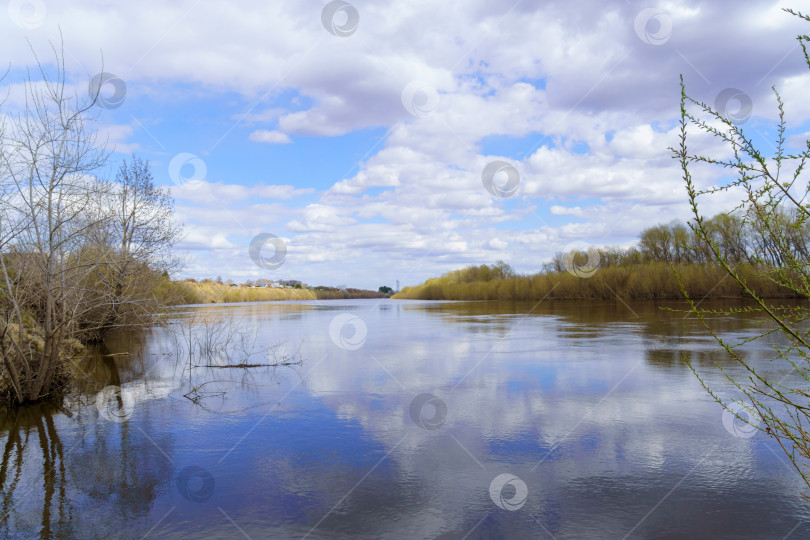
column 184, row 292
column 646, row 281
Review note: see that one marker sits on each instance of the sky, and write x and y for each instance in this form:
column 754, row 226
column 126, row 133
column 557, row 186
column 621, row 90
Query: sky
column 364, row 143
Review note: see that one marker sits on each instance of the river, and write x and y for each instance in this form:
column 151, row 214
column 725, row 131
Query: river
column 402, row 419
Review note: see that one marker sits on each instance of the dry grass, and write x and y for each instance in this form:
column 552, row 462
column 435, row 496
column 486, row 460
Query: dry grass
column 184, row 292
column 647, row 281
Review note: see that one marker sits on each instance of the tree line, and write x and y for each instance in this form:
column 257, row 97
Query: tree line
column 645, row 271
column 739, row 238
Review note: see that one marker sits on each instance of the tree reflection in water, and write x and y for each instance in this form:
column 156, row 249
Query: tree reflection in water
column 103, row 474
column 590, row 404
column 20, row 425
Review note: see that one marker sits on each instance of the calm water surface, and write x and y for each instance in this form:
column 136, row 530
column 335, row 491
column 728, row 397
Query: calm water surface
column 404, row 420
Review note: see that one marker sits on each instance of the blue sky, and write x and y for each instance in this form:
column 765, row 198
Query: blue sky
column 363, row 147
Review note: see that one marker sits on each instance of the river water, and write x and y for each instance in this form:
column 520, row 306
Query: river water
column 402, row 419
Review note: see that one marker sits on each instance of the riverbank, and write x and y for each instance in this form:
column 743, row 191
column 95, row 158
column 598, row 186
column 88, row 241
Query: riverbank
column 646, row 281
column 184, row 292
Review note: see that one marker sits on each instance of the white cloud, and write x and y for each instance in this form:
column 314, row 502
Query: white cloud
column 318, row 217
column 799, row 141
column 582, row 107
column 226, row 194
column 117, row 137
column 270, row 137
column 197, row 238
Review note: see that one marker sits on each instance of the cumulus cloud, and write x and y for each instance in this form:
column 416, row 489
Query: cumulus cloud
column 211, row 192
column 318, row 217
column 582, row 103
column 270, row 137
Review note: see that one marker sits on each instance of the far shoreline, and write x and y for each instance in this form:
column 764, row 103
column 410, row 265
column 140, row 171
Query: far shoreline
column 649, row 281
column 177, row 293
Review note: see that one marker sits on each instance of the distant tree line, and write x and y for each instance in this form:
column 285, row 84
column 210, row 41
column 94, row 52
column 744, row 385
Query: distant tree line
column 470, row 274
column 645, row 271
column 738, row 238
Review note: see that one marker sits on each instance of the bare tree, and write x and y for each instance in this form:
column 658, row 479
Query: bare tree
column 51, row 157
column 78, row 254
column 137, row 239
